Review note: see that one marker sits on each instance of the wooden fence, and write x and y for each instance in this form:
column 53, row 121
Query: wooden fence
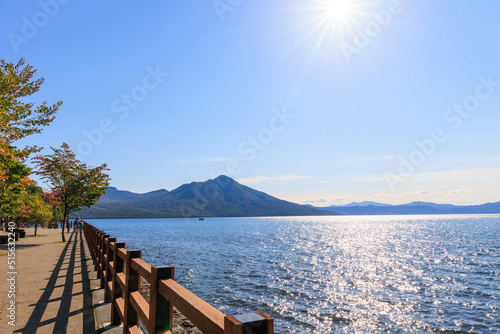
column 119, row 271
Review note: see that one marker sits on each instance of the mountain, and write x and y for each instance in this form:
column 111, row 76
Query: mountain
column 364, row 203
column 433, row 205
column 415, row 208
column 220, row 197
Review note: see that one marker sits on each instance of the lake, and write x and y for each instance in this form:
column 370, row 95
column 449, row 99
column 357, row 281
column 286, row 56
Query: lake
column 335, row 274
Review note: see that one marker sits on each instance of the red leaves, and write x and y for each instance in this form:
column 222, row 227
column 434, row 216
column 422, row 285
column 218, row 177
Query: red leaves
column 25, row 211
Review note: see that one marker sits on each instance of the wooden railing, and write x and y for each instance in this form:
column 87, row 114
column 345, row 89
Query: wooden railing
column 120, row 270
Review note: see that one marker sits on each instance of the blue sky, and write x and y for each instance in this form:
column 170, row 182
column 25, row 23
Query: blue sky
column 310, row 101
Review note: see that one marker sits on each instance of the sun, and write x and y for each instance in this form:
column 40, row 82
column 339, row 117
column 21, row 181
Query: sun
column 332, row 22
column 325, row 26
column 336, row 10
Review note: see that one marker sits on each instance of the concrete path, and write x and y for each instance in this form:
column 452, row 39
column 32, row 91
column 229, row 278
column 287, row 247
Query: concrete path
column 52, row 288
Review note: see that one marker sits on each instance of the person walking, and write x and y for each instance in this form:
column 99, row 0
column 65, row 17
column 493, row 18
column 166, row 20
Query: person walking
column 78, row 224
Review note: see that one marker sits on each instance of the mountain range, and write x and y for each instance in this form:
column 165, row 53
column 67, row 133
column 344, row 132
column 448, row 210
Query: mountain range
column 224, row 197
column 220, row 197
column 413, row 208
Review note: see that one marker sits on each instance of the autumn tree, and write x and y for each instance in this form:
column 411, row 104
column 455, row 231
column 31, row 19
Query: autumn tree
column 35, row 209
column 73, row 185
column 14, row 177
column 41, row 211
column 18, row 118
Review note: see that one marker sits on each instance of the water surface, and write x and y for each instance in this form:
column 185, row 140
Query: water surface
column 348, row 274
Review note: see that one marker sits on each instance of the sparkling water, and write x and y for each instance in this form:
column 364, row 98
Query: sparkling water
column 337, row 274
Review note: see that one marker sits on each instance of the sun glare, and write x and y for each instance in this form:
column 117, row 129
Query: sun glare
column 333, row 21
column 327, row 25
column 338, row 10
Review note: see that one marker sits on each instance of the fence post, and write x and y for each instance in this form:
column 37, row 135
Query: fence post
column 161, row 311
column 109, row 273
column 94, row 248
column 91, row 241
column 269, row 322
column 130, row 317
column 102, row 263
column 115, row 286
column 248, row 323
column 97, row 261
column 231, row 325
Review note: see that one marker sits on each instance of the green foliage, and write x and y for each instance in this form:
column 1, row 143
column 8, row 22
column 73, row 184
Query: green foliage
column 35, row 209
column 33, row 188
column 13, row 180
column 57, row 215
column 19, row 119
column 72, row 183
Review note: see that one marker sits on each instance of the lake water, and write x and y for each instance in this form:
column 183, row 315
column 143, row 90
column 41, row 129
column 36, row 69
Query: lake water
column 348, row 274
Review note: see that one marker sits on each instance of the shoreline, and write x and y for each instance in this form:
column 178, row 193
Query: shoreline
column 55, row 288
column 323, row 216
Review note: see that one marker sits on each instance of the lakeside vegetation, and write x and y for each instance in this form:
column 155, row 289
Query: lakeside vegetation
column 71, row 183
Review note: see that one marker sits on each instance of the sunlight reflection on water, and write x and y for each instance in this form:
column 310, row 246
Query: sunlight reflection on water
column 345, row 274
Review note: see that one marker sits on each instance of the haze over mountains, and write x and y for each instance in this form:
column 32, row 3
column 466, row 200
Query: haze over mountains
column 413, row 208
column 224, row 197
column 220, row 197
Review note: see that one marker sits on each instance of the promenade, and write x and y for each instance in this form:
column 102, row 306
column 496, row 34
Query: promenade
column 53, row 292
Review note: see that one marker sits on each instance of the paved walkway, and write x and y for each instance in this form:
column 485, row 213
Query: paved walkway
column 53, row 292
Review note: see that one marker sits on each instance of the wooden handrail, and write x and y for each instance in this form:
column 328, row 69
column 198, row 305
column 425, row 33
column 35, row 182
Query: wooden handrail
column 203, row 315
column 142, row 267
column 120, row 270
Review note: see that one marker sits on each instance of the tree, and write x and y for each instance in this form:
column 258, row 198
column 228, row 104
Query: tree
column 72, row 183
column 13, row 180
column 18, row 118
column 35, row 209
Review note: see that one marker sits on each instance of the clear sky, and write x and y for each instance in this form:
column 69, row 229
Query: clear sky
column 321, row 102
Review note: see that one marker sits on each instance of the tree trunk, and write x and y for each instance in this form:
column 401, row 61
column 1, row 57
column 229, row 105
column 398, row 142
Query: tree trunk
column 62, row 231
column 36, row 227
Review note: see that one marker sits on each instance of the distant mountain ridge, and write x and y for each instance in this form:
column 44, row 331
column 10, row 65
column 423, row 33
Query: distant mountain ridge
column 413, row 208
column 219, row 197
column 364, row 203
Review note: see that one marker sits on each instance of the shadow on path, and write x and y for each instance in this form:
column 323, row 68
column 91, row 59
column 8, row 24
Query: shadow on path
column 89, row 324
column 61, row 319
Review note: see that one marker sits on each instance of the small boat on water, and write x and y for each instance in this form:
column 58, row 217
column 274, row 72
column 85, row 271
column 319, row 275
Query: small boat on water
column 201, row 218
